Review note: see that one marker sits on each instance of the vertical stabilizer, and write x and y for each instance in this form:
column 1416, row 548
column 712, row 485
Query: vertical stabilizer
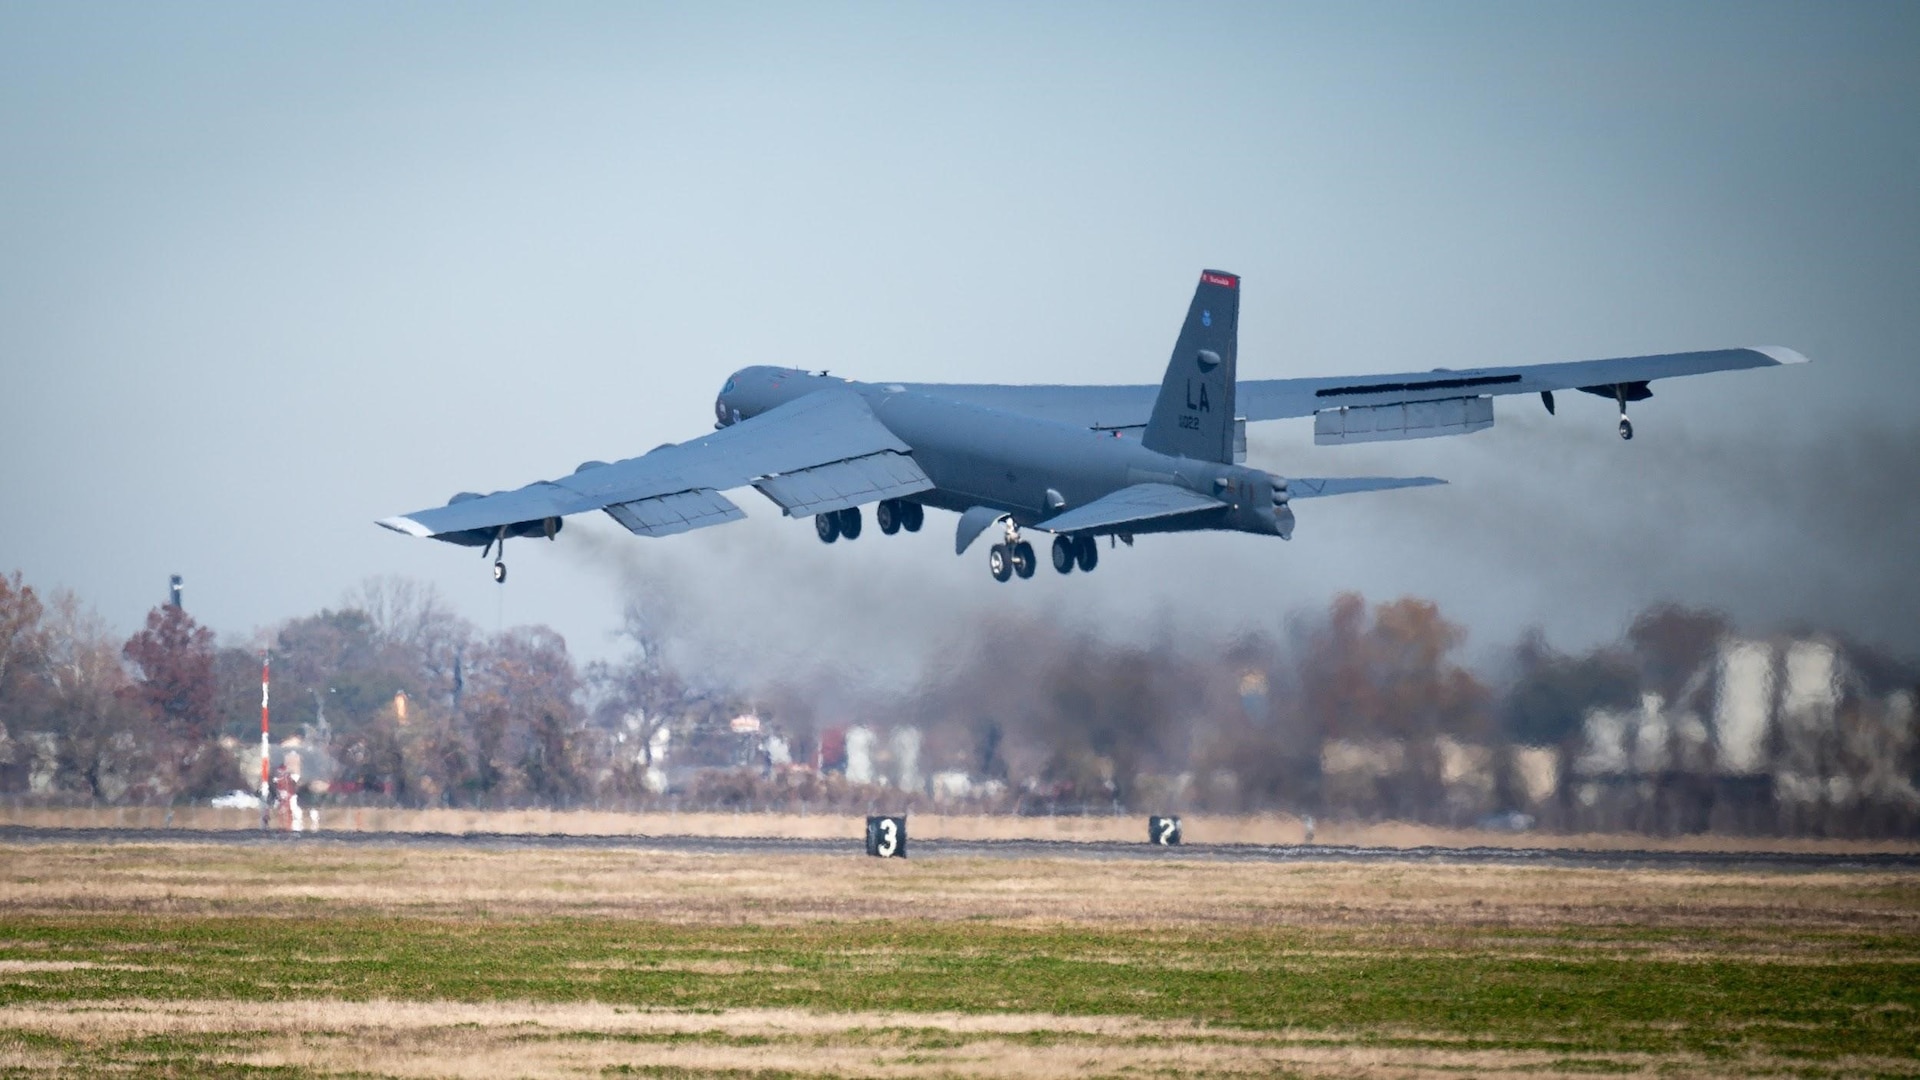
column 1193, row 417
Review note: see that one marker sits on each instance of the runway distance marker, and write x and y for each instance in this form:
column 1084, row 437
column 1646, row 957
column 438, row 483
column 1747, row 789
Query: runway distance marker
column 887, row 837
column 1164, row 831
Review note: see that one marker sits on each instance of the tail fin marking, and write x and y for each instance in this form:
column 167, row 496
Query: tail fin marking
column 1194, row 414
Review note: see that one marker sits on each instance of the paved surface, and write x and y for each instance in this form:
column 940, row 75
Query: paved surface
column 1021, row 849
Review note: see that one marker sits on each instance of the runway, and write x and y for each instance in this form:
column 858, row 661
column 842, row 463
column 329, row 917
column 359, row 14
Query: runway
column 921, row 849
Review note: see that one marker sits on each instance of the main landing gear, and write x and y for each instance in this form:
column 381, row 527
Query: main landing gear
column 1006, row 560
column 1011, row 556
column 834, row 524
column 1626, row 425
column 1069, row 551
column 892, row 515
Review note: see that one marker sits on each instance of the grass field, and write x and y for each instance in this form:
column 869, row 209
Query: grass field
column 185, row 960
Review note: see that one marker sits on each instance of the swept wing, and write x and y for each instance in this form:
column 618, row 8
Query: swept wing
column 825, row 451
column 1280, row 399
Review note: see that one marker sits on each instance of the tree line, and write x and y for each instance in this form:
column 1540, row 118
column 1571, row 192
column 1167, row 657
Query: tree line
column 1361, row 709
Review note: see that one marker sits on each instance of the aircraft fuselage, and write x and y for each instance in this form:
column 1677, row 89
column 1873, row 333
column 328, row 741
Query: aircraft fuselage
column 1028, row 468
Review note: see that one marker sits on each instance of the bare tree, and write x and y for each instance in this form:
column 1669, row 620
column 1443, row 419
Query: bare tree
column 631, row 699
column 522, row 721
column 104, row 746
column 23, row 649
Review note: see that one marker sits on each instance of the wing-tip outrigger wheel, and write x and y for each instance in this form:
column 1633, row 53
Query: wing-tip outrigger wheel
column 500, row 561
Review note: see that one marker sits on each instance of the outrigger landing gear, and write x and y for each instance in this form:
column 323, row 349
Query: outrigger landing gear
column 500, row 561
column 1620, row 395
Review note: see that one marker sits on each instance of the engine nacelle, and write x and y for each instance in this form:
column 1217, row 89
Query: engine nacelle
column 548, row 527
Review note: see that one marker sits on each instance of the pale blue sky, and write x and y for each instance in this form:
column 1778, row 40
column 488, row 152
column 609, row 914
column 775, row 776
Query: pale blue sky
column 271, row 271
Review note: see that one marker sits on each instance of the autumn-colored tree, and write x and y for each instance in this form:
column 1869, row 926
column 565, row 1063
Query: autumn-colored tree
column 174, row 689
column 1389, row 675
column 1385, row 678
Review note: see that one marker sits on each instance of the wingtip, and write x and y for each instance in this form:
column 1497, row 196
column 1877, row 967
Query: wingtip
column 404, row 525
column 1780, row 354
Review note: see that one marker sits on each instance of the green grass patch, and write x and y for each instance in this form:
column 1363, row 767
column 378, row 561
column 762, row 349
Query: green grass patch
column 1571, row 991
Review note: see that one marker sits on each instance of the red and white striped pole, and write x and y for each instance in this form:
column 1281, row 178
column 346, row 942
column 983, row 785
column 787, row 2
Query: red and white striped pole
column 266, row 752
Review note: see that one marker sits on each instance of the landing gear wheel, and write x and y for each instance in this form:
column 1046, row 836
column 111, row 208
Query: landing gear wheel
column 850, row 523
column 1088, row 555
column 1023, row 559
column 500, row 572
column 1064, row 551
column 912, row 514
column 1626, row 428
column 887, row 516
column 828, row 526
column 998, row 562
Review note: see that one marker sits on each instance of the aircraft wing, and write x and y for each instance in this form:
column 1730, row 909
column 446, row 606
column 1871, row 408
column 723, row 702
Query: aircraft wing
column 1141, row 502
column 821, row 452
column 1103, row 407
column 1305, row 487
column 1437, row 392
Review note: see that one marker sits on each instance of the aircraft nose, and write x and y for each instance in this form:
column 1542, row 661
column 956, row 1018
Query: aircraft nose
column 724, row 412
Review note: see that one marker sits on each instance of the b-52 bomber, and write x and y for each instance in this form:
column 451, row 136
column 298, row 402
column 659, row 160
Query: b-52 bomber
column 1075, row 462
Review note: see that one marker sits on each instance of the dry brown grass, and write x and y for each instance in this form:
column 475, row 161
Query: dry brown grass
column 1199, row 828
column 450, row 1039
column 675, row 887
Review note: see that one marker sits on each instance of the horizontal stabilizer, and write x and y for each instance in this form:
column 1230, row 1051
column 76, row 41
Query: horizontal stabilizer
column 840, row 484
column 1301, row 487
column 1141, row 502
column 680, row 512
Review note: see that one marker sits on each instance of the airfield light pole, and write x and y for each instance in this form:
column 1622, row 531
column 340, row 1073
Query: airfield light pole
column 266, row 752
